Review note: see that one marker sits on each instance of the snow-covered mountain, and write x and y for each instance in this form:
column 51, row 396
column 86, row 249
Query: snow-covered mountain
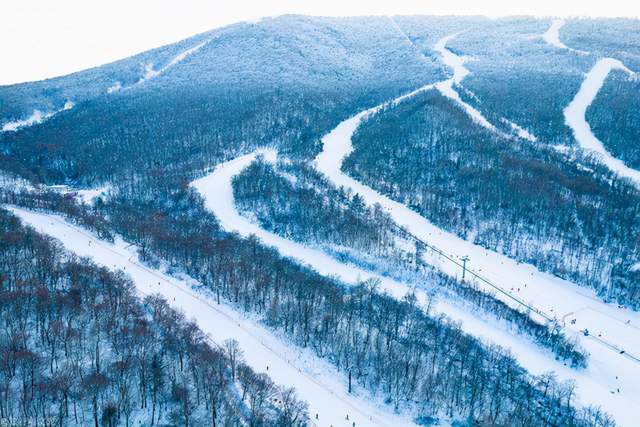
column 407, row 220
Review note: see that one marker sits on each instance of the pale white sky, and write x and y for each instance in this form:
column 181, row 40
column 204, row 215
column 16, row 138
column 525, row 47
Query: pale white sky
column 46, row 38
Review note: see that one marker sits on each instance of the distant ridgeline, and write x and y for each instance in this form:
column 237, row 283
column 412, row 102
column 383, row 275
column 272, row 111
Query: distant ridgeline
column 148, row 125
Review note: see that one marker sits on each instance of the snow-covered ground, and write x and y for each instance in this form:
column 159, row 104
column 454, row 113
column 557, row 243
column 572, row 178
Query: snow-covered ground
column 598, row 384
column 575, row 307
column 88, row 196
column 36, row 117
column 316, row 381
column 575, row 112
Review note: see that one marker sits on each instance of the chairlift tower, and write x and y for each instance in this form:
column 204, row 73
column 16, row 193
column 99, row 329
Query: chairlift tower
column 464, row 260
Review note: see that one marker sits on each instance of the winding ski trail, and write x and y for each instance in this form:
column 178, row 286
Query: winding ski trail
column 616, row 328
column 316, row 381
column 595, row 383
column 447, row 87
column 552, row 36
column 575, row 112
column 575, row 117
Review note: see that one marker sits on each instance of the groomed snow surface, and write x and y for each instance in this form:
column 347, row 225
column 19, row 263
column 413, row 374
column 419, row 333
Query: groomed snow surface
column 552, row 35
column 575, row 117
column 575, row 112
column 459, row 72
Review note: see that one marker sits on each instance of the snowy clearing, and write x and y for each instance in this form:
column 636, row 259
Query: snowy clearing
column 89, row 196
column 315, row 381
column 595, row 384
column 35, row 118
column 575, row 112
column 575, row 307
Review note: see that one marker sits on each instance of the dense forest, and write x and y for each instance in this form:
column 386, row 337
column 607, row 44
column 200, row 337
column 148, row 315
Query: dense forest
column 499, row 192
column 79, row 348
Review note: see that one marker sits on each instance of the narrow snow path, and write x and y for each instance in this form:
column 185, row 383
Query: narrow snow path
column 459, row 71
column 575, row 307
column 595, row 384
column 150, row 73
column 552, row 35
column 575, row 112
column 575, row 117
column 35, row 118
column 456, row 63
column 316, row 381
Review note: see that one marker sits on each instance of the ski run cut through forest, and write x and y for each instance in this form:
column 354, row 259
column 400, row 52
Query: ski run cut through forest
column 591, row 342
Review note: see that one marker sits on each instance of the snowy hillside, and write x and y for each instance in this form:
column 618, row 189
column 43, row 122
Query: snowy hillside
column 372, row 221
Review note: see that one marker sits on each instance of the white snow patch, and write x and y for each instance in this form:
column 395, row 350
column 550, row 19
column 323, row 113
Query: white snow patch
column 150, row 73
column 575, row 113
column 520, row 131
column 88, row 196
column 315, row 381
column 115, row 88
column 35, row 118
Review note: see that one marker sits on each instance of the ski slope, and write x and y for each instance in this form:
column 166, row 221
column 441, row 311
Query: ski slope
column 552, row 36
column 151, row 73
column 595, row 384
column 612, row 329
column 459, row 72
column 456, row 63
column 316, row 381
column 575, row 113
